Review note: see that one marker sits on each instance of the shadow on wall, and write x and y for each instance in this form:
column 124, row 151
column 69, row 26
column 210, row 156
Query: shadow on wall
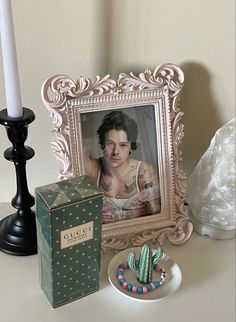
column 200, row 114
column 103, row 18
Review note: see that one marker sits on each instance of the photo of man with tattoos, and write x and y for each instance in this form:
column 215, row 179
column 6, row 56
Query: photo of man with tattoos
column 131, row 187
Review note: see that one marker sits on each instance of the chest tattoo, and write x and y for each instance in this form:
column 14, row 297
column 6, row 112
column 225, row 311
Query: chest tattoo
column 106, row 186
column 129, row 188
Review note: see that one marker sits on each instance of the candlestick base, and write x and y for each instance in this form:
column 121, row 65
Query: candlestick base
column 17, row 235
column 18, row 231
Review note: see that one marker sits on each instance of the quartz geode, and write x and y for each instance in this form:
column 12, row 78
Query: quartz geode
column 211, row 186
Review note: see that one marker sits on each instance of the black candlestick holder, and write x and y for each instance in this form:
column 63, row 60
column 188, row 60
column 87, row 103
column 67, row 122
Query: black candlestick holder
column 18, row 230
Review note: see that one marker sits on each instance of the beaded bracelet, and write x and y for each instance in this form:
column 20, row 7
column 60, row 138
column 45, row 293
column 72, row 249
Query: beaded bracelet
column 140, row 289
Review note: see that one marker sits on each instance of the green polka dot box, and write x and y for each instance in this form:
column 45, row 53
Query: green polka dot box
column 69, row 224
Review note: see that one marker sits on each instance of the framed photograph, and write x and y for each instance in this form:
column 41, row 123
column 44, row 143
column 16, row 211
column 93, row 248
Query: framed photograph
column 126, row 135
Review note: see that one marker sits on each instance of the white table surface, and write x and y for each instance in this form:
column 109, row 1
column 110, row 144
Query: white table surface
column 207, row 292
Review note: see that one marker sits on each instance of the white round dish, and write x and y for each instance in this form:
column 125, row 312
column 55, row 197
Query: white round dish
column 171, row 284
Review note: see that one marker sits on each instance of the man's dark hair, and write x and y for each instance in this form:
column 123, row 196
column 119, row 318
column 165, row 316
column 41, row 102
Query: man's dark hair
column 119, row 121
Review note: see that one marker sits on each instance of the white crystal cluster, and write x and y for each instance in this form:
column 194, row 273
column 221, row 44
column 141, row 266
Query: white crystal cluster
column 211, row 187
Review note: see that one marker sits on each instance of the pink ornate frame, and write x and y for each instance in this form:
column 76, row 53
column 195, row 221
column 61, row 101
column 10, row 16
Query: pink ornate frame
column 66, row 100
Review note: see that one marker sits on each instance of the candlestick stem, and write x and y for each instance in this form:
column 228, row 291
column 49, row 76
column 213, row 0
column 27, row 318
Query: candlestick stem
column 18, row 230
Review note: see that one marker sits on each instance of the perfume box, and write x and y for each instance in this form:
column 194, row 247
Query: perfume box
column 69, row 223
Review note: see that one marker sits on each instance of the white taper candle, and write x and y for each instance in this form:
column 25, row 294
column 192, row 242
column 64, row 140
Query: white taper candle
column 11, row 75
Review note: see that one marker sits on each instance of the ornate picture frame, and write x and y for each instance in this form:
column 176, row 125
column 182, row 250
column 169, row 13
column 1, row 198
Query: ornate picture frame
column 70, row 103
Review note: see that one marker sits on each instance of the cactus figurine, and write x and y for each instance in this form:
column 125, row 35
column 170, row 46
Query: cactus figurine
column 145, row 263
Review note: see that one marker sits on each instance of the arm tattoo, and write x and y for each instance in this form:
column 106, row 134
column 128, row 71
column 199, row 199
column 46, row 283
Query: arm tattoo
column 140, row 177
column 148, row 208
column 148, row 185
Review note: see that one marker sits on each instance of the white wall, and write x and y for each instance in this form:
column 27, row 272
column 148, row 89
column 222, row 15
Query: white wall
column 92, row 37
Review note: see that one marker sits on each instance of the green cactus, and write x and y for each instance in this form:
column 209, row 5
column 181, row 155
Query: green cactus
column 145, row 263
